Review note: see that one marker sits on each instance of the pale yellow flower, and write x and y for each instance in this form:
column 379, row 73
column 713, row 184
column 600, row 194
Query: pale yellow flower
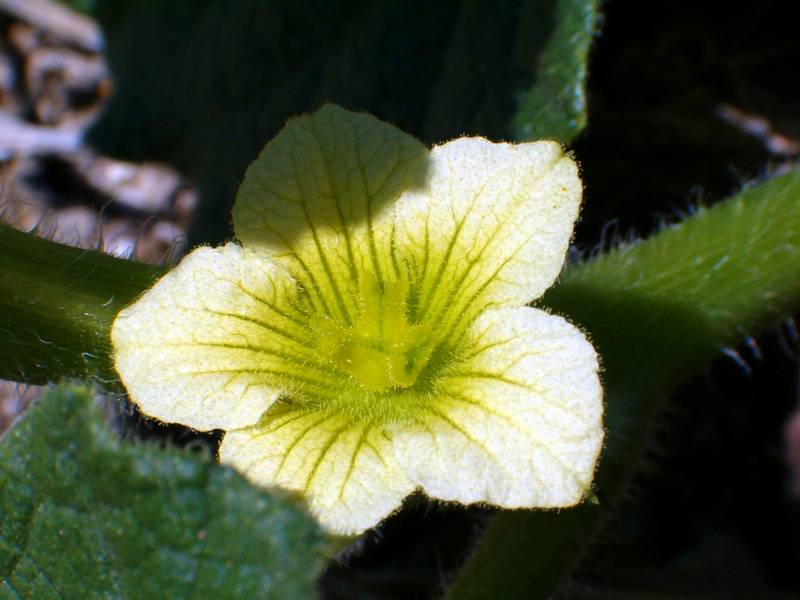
column 369, row 335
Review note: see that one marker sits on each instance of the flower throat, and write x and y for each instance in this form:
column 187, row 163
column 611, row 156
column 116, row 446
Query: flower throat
column 382, row 349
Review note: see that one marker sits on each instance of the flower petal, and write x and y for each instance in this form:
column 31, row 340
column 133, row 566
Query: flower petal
column 347, row 471
column 319, row 198
column 215, row 340
column 491, row 230
column 517, row 423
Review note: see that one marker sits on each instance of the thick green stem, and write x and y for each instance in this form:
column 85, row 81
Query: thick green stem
column 57, row 304
column 657, row 311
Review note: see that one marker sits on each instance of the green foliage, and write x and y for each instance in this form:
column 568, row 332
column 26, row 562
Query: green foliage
column 560, row 38
column 657, row 311
column 528, row 63
column 215, row 79
column 86, row 516
column 56, row 307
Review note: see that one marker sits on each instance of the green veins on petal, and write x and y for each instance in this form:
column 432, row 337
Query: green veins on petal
column 372, row 327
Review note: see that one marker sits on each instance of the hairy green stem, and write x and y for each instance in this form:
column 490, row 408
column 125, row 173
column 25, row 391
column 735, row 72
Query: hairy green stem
column 57, row 304
column 657, row 311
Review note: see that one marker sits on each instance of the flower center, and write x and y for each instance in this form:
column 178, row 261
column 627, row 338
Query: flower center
column 382, row 349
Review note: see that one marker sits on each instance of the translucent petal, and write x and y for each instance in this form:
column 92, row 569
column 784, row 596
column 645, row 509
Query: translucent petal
column 517, row 422
column 213, row 343
column 320, row 196
column 346, row 471
column 490, row 229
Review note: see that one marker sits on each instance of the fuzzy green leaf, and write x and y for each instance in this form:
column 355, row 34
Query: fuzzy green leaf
column 525, row 60
column 559, row 38
column 56, row 307
column 657, row 311
column 87, row 516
